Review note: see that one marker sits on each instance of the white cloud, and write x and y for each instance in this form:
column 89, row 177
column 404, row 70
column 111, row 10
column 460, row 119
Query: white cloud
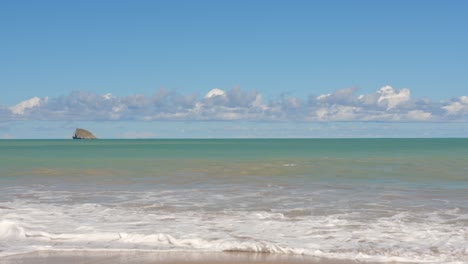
column 341, row 96
column 338, row 113
column 323, row 96
column 258, row 103
column 458, row 106
column 322, row 113
column 464, row 99
column 391, row 98
column 215, row 92
column 419, row 115
column 23, row 106
column 385, row 104
column 108, row 96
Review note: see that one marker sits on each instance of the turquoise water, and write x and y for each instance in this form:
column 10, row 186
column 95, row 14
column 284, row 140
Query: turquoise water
column 425, row 161
column 365, row 199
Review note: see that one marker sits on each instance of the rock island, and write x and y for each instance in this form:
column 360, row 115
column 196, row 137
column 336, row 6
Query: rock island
column 83, row 134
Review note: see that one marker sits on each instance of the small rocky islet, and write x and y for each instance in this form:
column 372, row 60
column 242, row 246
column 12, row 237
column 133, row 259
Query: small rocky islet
column 83, row 134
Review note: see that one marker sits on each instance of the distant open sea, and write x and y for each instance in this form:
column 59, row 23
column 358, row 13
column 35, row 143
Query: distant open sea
column 400, row 200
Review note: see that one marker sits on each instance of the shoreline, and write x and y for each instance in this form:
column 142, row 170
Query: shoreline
column 173, row 257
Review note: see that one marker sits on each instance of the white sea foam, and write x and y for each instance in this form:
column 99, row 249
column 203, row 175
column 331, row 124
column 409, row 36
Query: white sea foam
column 320, row 221
column 243, row 231
column 10, row 230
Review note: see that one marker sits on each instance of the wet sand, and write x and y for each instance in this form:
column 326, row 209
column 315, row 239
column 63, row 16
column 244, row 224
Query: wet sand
column 130, row 257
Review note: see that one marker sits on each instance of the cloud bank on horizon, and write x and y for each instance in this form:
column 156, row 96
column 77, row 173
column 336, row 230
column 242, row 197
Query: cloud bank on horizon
column 386, row 104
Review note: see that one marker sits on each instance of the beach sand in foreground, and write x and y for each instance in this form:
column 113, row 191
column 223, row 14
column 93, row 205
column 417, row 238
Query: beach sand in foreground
column 126, row 257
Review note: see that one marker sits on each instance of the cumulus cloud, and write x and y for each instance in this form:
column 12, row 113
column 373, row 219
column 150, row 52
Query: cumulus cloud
column 385, row 104
column 390, row 98
column 22, row 107
column 343, row 97
column 458, row 106
column 214, row 93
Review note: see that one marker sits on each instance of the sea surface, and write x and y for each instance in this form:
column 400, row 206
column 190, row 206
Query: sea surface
column 400, row 200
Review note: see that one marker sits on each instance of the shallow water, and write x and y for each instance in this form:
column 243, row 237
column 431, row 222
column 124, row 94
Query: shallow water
column 360, row 199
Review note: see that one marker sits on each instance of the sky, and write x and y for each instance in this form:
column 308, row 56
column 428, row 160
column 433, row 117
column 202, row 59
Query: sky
column 234, row 68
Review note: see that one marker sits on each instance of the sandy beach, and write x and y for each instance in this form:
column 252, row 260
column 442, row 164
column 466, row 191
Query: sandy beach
column 142, row 257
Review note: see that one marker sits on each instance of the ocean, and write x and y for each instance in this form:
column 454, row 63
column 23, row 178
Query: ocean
column 403, row 200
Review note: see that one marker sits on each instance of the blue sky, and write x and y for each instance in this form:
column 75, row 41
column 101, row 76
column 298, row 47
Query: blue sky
column 277, row 63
